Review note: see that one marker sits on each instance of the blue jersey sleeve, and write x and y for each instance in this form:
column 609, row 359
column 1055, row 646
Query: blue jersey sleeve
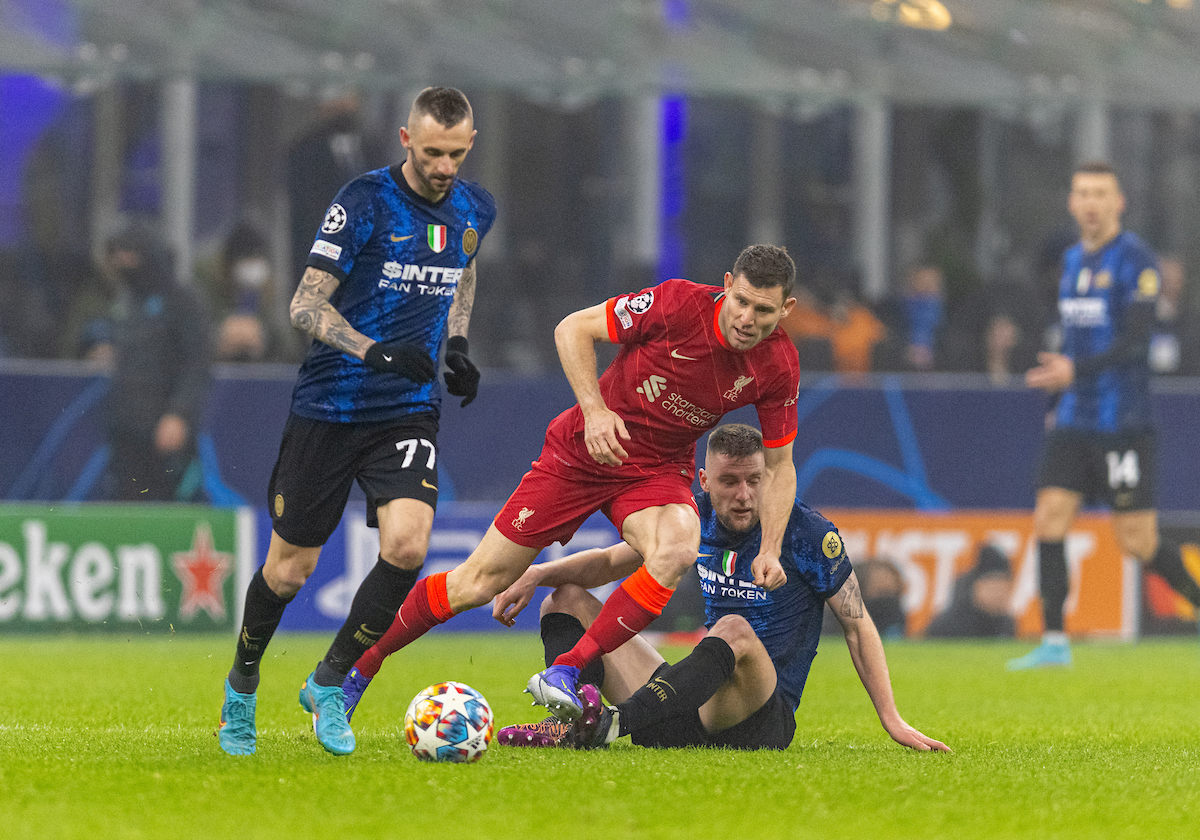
column 816, row 548
column 347, row 227
column 1138, row 276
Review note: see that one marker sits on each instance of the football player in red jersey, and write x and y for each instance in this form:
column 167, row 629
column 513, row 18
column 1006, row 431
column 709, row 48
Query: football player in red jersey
column 689, row 354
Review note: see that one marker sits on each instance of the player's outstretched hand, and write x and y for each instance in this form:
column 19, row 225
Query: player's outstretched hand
column 463, row 380
column 603, row 431
column 407, row 360
column 768, row 572
column 508, row 604
column 1054, row 372
column 907, row 736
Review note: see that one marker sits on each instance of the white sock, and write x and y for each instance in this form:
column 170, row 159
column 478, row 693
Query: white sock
column 1055, row 637
column 614, row 729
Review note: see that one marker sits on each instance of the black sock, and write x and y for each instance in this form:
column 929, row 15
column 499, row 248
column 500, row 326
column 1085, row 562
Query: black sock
column 686, row 685
column 372, row 612
column 1052, row 563
column 1168, row 563
column 260, row 617
column 560, row 633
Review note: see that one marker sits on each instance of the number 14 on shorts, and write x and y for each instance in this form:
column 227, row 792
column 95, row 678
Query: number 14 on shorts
column 1123, row 469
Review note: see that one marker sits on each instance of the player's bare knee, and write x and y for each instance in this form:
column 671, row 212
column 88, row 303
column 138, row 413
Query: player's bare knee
column 1049, row 524
column 736, row 632
column 285, row 579
column 572, row 600
column 405, row 552
column 1137, row 543
column 669, row 564
column 1053, row 514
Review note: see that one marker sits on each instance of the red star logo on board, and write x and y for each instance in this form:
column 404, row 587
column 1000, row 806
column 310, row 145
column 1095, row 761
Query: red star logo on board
column 202, row 571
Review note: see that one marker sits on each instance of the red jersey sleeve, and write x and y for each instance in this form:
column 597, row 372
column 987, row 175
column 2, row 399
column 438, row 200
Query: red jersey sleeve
column 634, row 318
column 777, row 406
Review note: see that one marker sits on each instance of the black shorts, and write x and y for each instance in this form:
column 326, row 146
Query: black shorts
column 1119, row 469
column 318, row 461
column 770, row 728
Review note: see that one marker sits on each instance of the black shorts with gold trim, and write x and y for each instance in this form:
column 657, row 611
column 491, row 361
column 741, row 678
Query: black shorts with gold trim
column 318, row 461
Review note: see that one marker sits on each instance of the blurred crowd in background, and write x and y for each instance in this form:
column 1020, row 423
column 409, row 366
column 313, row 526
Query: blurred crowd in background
column 975, row 239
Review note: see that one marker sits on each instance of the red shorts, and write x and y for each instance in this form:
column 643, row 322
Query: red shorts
column 548, row 507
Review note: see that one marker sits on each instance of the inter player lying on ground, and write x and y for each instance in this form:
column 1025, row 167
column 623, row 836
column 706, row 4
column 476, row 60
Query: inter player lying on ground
column 1102, row 444
column 741, row 685
column 391, row 273
column 690, row 353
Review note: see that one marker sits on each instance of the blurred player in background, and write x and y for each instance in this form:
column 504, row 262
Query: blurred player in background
column 391, row 273
column 690, row 353
column 1101, row 439
column 741, row 685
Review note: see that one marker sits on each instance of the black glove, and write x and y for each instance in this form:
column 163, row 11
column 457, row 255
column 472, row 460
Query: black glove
column 407, row 360
column 463, row 381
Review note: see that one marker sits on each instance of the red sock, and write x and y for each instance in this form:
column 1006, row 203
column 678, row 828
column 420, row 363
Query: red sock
column 630, row 609
column 426, row 606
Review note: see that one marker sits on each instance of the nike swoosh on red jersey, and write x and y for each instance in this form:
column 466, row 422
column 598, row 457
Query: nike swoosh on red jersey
column 675, row 354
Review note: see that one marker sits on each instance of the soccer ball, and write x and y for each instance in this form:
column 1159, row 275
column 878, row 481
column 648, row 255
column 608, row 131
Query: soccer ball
column 449, row 721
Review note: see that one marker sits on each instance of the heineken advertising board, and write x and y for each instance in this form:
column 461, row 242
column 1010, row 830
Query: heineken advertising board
column 118, row 568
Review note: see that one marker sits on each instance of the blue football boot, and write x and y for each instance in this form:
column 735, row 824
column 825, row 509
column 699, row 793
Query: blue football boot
column 555, row 688
column 237, row 733
column 1045, row 655
column 352, row 688
column 327, row 706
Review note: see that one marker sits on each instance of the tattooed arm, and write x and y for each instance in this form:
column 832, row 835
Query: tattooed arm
column 464, row 299
column 313, row 314
column 866, row 651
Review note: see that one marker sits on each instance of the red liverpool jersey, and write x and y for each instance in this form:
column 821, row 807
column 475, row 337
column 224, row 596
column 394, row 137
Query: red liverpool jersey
column 674, row 378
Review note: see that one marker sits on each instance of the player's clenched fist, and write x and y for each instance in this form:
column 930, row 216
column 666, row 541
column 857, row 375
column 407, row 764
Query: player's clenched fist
column 768, row 572
column 463, row 379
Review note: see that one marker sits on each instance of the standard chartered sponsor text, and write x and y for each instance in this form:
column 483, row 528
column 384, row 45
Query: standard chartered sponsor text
column 678, row 405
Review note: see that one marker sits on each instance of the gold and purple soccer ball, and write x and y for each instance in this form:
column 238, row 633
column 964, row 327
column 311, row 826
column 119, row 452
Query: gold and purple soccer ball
column 449, row 721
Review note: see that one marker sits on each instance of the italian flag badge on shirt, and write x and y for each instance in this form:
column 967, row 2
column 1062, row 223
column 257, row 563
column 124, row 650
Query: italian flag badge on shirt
column 728, row 562
column 437, row 238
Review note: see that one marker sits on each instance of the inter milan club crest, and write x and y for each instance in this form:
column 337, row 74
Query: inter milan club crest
column 202, row 571
column 470, row 241
column 437, row 238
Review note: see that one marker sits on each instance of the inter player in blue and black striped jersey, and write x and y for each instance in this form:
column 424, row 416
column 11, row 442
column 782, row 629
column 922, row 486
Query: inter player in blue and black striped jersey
column 741, row 686
column 390, row 276
column 1101, row 445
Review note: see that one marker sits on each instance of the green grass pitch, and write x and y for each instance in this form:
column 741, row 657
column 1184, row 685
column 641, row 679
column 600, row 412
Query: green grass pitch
column 113, row 738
